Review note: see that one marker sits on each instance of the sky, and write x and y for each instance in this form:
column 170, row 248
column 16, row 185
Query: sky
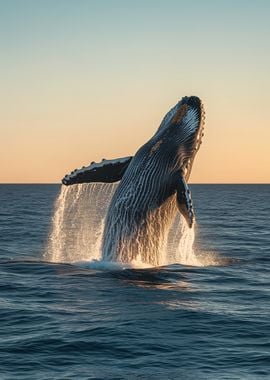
column 83, row 80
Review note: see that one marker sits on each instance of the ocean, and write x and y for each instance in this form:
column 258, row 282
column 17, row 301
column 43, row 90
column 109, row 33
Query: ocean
column 71, row 319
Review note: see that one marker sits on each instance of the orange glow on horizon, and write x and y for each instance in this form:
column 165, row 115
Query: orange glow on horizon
column 93, row 80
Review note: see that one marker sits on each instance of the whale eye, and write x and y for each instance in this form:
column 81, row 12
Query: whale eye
column 155, row 147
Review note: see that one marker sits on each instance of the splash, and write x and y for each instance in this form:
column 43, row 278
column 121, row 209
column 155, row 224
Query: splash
column 78, row 225
column 78, row 222
column 180, row 243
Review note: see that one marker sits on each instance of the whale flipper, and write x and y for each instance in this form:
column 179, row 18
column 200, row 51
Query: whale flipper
column 105, row 171
column 184, row 201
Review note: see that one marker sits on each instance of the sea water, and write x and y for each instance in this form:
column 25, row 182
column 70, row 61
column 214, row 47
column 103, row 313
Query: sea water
column 75, row 317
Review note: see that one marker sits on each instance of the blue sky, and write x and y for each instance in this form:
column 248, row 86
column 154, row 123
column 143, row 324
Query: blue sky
column 95, row 77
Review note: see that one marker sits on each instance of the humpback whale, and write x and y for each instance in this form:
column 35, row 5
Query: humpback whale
column 152, row 186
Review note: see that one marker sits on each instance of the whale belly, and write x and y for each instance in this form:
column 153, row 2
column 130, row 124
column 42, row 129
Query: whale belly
column 133, row 233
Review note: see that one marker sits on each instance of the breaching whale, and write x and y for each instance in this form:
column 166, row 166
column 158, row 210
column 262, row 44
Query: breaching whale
column 152, row 186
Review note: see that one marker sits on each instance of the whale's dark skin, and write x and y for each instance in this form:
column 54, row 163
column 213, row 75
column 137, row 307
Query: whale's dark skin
column 153, row 185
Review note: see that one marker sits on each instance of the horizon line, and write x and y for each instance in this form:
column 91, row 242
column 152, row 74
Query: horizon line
column 190, row 183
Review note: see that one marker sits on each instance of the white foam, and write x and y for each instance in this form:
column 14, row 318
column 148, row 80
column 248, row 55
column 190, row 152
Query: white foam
column 102, row 265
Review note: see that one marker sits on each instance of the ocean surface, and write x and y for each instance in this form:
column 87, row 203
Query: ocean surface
column 77, row 321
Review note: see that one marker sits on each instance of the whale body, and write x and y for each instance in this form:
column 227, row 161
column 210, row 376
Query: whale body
column 152, row 186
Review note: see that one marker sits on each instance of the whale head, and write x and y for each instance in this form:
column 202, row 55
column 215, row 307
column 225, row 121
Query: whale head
column 183, row 126
column 180, row 131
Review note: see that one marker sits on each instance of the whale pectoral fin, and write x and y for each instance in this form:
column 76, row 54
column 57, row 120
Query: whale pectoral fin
column 184, row 202
column 105, row 171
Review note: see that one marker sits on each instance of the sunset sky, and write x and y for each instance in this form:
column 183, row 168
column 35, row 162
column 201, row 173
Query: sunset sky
column 85, row 80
